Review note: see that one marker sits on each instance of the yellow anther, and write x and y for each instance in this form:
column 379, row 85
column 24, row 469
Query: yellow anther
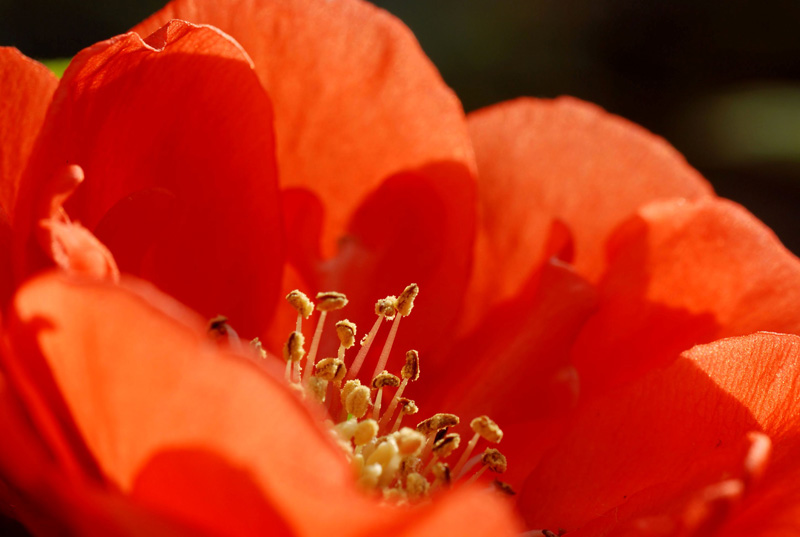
column 410, row 370
column 384, row 453
column 346, row 429
column 410, row 465
column 385, row 379
column 358, row 401
column 408, row 406
column 505, row 488
column 385, row 307
column 346, row 331
column 370, row 473
column 258, row 348
column 331, row 301
column 446, row 445
column 318, row 387
column 409, row 441
column 487, row 428
column 365, row 432
column 494, row 460
column 437, row 422
column 301, row 303
column 416, row 486
column 348, row 387
column 405, row 302
column 218, row 326
column 293, row 349
column 441, row 471
column 330, row 369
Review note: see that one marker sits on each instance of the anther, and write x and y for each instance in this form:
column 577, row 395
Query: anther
column 485, row 428
column 318, row 387
column 441, row 474
column 258, row 348
column 379, row 382
column 409, row 441
column 330, row 369
column 407, row 408
column 410, row 372
column 293, row 352
column 346, row 331
column 326, row 302
column 365, row 432
column 444, row 448
column 505, row 488
column 302, row 304
column 358, row 401
column 403, row 305
column 330, row 301
column 492, row 460
column 416, row 486
column 405, row 302
column 349, row 386
column 436, row 422
column 219, row 329
column 384, row 309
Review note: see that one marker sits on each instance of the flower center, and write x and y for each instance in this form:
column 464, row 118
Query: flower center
column 403, row 464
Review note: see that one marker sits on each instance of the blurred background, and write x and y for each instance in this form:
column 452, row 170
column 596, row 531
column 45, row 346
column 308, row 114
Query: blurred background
column 720, row 79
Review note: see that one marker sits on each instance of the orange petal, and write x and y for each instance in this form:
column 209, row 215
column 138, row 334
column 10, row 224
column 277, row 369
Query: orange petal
column 682, row 274
column 175, row 138
column 197, row 435
column 27, row 87
column 356, row 100
column 541, row 161
column 515, row 367
column 646, row 451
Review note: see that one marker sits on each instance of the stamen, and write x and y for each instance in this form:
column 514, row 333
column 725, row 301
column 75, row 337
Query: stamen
column 441, row 474
column 384, row 309
column 365, row 432
column 410, row 372
column 378, row 383
column 293, row 352
column 326, row 302
column 346, row 331
column 417, row 486
column 218, row 329
column 330, row 369
column 258, row 348
column 318, row 388
column 403, row 305
column 484, row 427
column 407, row 407
column 443, row 448
column 358, row 401
column 433, row 425
column 503, row 487
column 302, row 304
column 492, row 460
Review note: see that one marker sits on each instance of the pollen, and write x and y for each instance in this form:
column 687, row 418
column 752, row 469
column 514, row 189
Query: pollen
column 405, row 302
column 301, row 303
column 293, row 349
column 331, row 301
column 400, row 464
column 347, row 333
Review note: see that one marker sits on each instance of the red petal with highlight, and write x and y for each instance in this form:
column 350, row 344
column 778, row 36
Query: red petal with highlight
column 175, row 139
column 356, row 100
column 645, row 454
column 681, row 274
column 542, row 162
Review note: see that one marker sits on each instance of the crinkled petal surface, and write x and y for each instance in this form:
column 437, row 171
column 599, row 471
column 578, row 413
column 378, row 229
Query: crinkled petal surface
column 356, row 100
column 196, row 434
column 563, row 163
column 175, row 138
column 647, row 455
column 681, row 274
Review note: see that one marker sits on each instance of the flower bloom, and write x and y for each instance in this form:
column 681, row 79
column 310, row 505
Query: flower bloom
column 581, row 284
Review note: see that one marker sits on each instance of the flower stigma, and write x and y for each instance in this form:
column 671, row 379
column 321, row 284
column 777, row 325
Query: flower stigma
column 403, row 464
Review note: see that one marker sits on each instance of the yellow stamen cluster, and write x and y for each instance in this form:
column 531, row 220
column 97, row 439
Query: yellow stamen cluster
column 403, row 464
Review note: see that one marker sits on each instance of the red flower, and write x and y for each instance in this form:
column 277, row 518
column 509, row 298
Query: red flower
column 569, row 264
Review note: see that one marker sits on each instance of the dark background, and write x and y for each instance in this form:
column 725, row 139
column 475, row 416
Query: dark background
column 720, row 79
